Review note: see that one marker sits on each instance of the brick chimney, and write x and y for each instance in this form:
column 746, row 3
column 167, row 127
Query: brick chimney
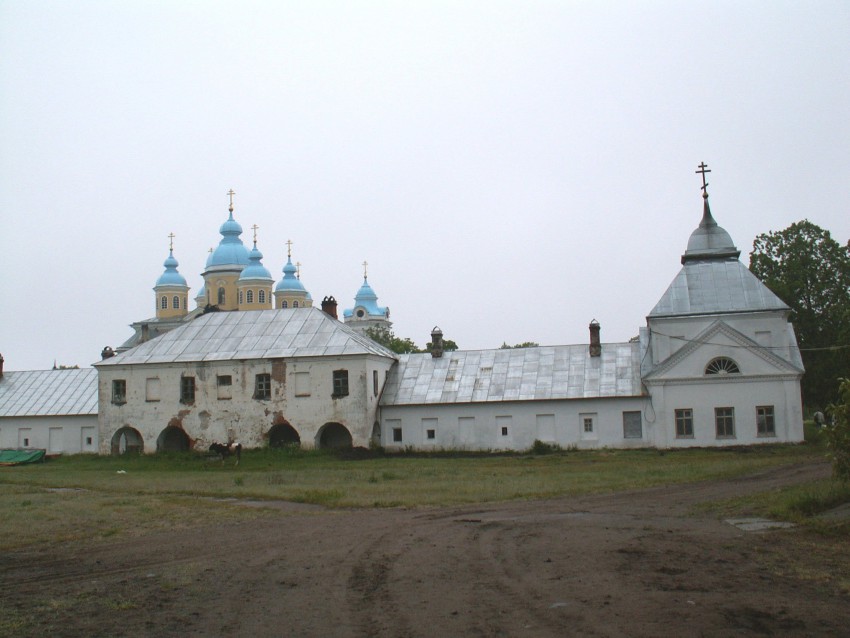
column 329, row 306
column 436, row 343
column 595, row 345
column 106, row 353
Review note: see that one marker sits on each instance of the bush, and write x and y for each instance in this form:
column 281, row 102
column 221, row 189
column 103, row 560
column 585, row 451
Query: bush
column 838, row 433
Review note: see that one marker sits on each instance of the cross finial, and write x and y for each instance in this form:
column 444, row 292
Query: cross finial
column 254, row 228
column 231, row 192
column 171, row 237
column 289, row 248
column 298, row 269
column 703, row 168
column 365, row 267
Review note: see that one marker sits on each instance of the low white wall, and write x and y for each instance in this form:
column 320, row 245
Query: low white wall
column 56, row 434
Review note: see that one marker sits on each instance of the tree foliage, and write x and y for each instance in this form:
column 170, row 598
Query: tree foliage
column 388, row 339
column 524, row 344
column 448, row 346
column 838, row 433
column 810, row 272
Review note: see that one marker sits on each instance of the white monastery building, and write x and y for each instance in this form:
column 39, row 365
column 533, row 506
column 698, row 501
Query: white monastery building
column 716, row 364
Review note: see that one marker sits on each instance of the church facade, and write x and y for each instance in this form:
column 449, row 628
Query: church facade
column 716, row 364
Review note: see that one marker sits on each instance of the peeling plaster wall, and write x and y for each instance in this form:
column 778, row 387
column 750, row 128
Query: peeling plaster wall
column 241, row 417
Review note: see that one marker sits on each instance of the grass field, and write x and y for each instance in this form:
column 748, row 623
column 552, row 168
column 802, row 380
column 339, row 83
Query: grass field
column 73, row 497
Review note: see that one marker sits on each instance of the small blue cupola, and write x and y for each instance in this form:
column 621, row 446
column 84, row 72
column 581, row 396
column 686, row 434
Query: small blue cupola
column 230, row 251
column 255, row 269
column 366, row 312
column 290, row 281
column 171, row 277
column 290, row 292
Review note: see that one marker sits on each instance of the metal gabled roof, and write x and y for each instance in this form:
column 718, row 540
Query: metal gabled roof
column 255, row 334
column 517, row 374
column 715, row 286
column 49, row 393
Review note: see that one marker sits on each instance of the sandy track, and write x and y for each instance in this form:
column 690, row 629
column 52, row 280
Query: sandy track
column 641, row 563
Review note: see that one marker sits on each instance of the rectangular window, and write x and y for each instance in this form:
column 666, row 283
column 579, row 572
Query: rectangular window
column 152, row 389
column 632, row 425
column 588, row 424
column 187, row 389
column 685, row 423
column 504, row 430
column 375, row 382
column 224, row 385
column 429, row 427
column 302, row 384
column 119, row 391
column 765, row 423
column 396, row 435
column 340, row 379
column 263, row 386
column 724, row 419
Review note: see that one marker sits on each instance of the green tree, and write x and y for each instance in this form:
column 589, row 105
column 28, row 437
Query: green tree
column 388, row 339
column 448, row 346
column 838, row 433
column 524, row 344
column 810, row 272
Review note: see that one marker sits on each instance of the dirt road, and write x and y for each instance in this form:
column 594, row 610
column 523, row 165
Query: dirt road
column 643, row 563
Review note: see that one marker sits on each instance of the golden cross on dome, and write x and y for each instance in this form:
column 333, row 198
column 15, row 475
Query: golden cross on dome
column 298, row 269
column 255, row 227
column 171, row 237
column 231, row 192
column 365, row 271
column 703, row 168
column 289, row 248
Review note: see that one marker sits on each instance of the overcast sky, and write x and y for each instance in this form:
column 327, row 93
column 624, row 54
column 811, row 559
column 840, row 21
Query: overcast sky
column 510, row 170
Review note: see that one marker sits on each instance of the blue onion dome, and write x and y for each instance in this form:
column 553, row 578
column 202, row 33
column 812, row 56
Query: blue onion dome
column 230, row 250
column 171, row 277
column 367, row 300
column 290, row 282
column 201, row 297
column 255, row 268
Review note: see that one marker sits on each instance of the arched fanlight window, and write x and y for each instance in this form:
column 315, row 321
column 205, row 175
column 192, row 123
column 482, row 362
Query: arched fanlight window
column 294, row 304
column 722, row 365
column 249, row 296
column 284, row 304
column 163, row 302
column 261, row 296
column 175, row 302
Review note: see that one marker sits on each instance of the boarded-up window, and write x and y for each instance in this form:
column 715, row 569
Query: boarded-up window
column 466, row 430
column 152, row 389
column 302, row 384
column 55, row 441
column 632, row 426
column 546, row 428
column 224, row 384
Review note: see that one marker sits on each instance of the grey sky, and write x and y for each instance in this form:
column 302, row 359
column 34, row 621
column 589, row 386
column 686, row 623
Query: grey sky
column 510, row 170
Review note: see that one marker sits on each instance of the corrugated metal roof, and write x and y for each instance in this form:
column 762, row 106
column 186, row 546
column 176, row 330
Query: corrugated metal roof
column 257, row 334
column 518, row 374
column 710, row 287
column 49, row 393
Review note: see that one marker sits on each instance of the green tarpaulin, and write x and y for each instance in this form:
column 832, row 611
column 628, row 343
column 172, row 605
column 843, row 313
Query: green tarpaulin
column 20, row 457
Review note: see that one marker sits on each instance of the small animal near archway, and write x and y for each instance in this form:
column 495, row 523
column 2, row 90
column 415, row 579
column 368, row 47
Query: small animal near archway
column 127, row 440
column 173, row 439
column 284, row 435
column 334, row 435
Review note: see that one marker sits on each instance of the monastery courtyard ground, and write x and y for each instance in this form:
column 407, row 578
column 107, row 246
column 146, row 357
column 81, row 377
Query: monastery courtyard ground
column 641, row 563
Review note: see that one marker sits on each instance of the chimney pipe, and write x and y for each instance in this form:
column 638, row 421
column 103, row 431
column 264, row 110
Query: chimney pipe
column 1, row 365
column 595, row 345
column 329, row 306
column 436, row 343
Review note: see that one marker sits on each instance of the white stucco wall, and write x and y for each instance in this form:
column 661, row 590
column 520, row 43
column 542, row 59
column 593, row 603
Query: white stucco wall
column 242, row 417
column 478, row 426
column 56, row 434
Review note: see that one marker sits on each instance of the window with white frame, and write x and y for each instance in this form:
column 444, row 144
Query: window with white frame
column 724, row 421
column 765, row 421
column 684, row 423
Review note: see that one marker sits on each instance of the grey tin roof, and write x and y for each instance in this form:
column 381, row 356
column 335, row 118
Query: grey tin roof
column 519, row 374
column 256, row 334
column 710, row 287
column 49, row 393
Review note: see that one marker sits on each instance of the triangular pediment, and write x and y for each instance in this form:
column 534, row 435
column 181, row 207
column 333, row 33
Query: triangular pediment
column 721, row 340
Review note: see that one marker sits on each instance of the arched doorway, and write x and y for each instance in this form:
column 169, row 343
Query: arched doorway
column 334, row 435
column 282, row 435
column 172, row 439
column 127, row 440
